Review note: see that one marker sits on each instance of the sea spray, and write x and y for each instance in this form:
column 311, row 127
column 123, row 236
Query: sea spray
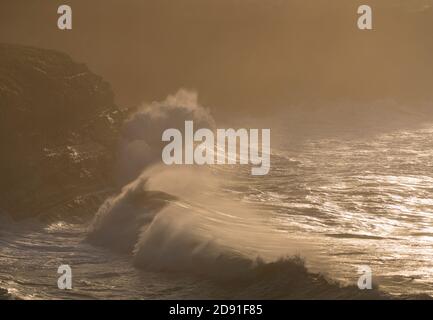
column 174, row 219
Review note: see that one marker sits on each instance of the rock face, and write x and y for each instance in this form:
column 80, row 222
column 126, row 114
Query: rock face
column 58, row 134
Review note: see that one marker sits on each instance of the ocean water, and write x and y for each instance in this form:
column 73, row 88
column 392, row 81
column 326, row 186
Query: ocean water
column 328, row 206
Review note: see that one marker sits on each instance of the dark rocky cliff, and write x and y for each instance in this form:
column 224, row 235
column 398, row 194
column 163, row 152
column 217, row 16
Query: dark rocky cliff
column 58, row 134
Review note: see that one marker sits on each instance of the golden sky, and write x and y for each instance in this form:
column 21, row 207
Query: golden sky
column 240, row 55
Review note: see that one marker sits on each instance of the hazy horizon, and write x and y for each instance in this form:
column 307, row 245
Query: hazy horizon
column 240, row 56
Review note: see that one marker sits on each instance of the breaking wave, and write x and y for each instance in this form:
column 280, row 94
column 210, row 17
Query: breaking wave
column 172, row 220
column 181, row 219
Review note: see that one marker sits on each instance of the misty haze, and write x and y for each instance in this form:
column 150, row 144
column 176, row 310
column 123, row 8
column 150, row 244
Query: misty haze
column 84, row 187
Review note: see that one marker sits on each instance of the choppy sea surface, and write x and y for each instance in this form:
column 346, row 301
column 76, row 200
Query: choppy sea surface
column 339, row 202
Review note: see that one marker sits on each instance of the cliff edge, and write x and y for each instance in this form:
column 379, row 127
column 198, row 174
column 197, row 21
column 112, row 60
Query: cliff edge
column 58, row 134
